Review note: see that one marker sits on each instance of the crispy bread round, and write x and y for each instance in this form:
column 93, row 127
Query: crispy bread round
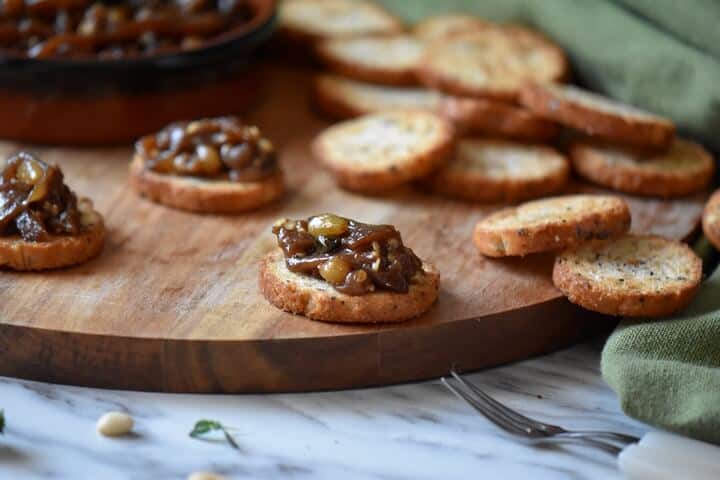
column 597, row 115
column 311, row 20
column 490, row 117
column 501, row 171
column 634, row 275
column 551, row 224
column 493, row 62
column 380, row 151
column 343, row 98
column 200, row 195
column 318, row 300
column 711, row 219
column 683, row 169
column 384, row 59
column 61, row 250
column 446, row 25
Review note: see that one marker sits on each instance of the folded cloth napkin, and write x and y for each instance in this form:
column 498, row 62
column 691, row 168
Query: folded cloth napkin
column 662, row 55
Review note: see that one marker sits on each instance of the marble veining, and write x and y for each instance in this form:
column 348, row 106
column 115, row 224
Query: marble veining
column 413, row 431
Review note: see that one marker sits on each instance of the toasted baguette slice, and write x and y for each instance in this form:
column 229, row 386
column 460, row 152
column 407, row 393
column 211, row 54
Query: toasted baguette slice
column 551, row 224
column 384, row 59
column 318, row 300
column 598, row 116
column 380, row 151
column 685, row 168
column 490, row 117
column 711, row 219
column 312, row 20
column 443, row 26
column 494, row 63
column 197, row 194
column 500, row 171
column 635, row 276
column 61, row 250
column 343, row 98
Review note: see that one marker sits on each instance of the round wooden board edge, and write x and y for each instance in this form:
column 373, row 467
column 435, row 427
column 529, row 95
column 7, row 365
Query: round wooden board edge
column 374, row 358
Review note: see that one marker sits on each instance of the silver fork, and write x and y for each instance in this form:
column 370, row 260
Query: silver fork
column 516, row 423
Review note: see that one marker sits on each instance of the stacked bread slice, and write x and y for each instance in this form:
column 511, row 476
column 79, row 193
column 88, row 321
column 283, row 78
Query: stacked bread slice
column 480, row 112
column 377, row 72
column 310, row 21
column 599, row 265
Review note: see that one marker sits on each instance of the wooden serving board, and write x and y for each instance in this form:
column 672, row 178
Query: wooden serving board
column 172, row 304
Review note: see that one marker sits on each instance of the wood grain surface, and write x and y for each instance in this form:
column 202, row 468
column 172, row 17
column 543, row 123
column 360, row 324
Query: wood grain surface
column 172, row 304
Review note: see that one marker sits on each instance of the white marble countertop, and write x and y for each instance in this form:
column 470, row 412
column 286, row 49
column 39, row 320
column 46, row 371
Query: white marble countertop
column 414, row 431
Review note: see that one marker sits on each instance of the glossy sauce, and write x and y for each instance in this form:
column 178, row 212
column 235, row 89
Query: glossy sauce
column 212, row 147
column 34, row 201
column 356, row 258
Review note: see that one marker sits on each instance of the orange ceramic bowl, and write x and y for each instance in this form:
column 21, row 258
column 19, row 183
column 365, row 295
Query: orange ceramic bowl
column 110, row 101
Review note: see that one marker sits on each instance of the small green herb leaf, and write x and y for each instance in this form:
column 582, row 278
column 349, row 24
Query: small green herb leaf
column 2, row 421
column 206, row 426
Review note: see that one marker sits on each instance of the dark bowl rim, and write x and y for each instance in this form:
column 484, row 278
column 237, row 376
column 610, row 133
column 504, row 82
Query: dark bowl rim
column 249, row 33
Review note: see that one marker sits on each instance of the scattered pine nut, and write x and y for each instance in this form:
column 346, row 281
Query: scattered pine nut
column 115, row 424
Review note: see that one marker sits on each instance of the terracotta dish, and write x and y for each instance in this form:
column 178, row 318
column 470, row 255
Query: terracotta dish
column 100, row 99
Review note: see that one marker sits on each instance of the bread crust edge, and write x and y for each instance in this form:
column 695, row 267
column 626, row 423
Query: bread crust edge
column 436, row 80
column 477, row 188
column 487, row 117
column 214, row 197
column 594, row 122
column 284, row 289
column 591, row 295
column 712, row 229
column 377, row 181
column 310, row 38
column 551, row 237
column 365, row 73
column 60, row 252
column 591, row 165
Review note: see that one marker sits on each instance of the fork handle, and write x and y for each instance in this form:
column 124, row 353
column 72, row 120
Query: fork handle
column 619, row 437
column 607, row 447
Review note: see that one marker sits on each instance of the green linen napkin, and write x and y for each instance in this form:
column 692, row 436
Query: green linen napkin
column 667, row 372
column 663, row 55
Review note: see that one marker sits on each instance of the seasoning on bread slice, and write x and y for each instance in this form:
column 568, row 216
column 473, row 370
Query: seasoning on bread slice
column 344, row 98
column 43, row 224
column 501, row 171
column 383, row 59
column 711, row 219
column 446, row 25
column 551, row 224
column 213, row 165
column 494, row 63
column 634, row 275
column 335, row 269
column 380, row 151
column 599, row 116
column 684, row 168
column 312, row 20
column 477, row 116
